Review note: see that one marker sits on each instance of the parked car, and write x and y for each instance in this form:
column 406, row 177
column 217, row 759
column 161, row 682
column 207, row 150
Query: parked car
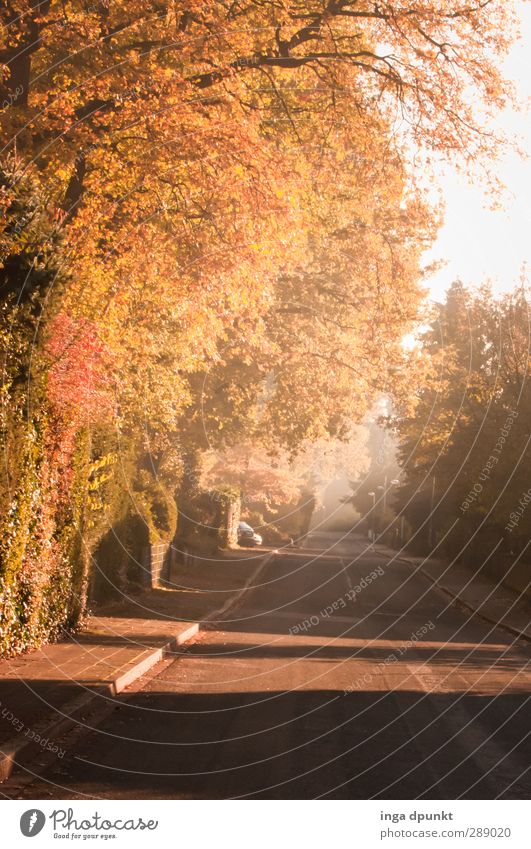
column 247, row 536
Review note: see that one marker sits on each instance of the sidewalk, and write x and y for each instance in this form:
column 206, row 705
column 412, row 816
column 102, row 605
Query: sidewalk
column 480, row 594
column 45, row 692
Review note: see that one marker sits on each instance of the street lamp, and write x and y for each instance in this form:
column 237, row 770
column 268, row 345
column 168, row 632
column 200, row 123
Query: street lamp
column 430, row 526
column 394, row 482
column 385, row 488
column 373, row 496
column 432, row 501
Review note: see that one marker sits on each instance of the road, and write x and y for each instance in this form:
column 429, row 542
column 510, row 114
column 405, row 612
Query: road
column 321, row 683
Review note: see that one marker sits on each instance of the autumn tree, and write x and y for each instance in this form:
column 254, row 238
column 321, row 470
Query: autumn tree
column 187, row 146
column 464, row 450
column 229, row 189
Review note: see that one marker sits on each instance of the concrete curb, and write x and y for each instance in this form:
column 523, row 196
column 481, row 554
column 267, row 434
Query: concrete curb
column 217, row 614
column 20, row 747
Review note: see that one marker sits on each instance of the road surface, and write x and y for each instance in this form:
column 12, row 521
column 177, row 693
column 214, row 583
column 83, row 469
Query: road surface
column 341, row 673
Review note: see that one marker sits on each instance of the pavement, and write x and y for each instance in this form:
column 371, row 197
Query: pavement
column 44, row 692
column 475, row 591
column 337, row 671
column 493, row 601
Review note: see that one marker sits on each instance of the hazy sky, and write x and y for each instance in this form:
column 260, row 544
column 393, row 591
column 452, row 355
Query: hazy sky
column 479, row 243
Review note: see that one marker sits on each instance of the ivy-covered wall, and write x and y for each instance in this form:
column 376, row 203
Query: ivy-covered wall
column 78, row 501
column 74, row 529
column 208, row 519
column 43, row 565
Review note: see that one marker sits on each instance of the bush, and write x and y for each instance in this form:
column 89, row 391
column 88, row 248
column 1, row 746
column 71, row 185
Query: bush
column 209, row 519
column 157, row 506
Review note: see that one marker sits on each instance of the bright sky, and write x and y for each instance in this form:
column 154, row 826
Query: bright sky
column 479, row 243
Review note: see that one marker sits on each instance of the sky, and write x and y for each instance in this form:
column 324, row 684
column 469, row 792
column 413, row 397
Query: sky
column 476, row 242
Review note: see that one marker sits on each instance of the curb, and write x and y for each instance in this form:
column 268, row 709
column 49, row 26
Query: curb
column 235, row 599
column 11, row 751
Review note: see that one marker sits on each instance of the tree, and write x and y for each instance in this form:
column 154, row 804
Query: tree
column 189, row 147
column 222, row 190
column 465, row 448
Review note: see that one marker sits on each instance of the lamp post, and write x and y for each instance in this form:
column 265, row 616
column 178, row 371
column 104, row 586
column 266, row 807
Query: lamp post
column 385, row 488
column 394, row 482
column 430, row 525
column 373, row 496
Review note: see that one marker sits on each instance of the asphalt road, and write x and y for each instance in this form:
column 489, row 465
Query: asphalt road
column 319, row 684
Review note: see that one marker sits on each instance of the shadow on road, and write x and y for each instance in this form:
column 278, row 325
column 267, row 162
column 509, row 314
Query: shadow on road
column 296, row 744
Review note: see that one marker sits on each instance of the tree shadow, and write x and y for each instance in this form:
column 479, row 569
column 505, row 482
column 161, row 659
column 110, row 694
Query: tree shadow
column 300, row 744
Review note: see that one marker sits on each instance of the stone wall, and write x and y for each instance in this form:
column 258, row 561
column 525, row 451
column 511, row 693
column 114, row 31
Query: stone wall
column 157, row 563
